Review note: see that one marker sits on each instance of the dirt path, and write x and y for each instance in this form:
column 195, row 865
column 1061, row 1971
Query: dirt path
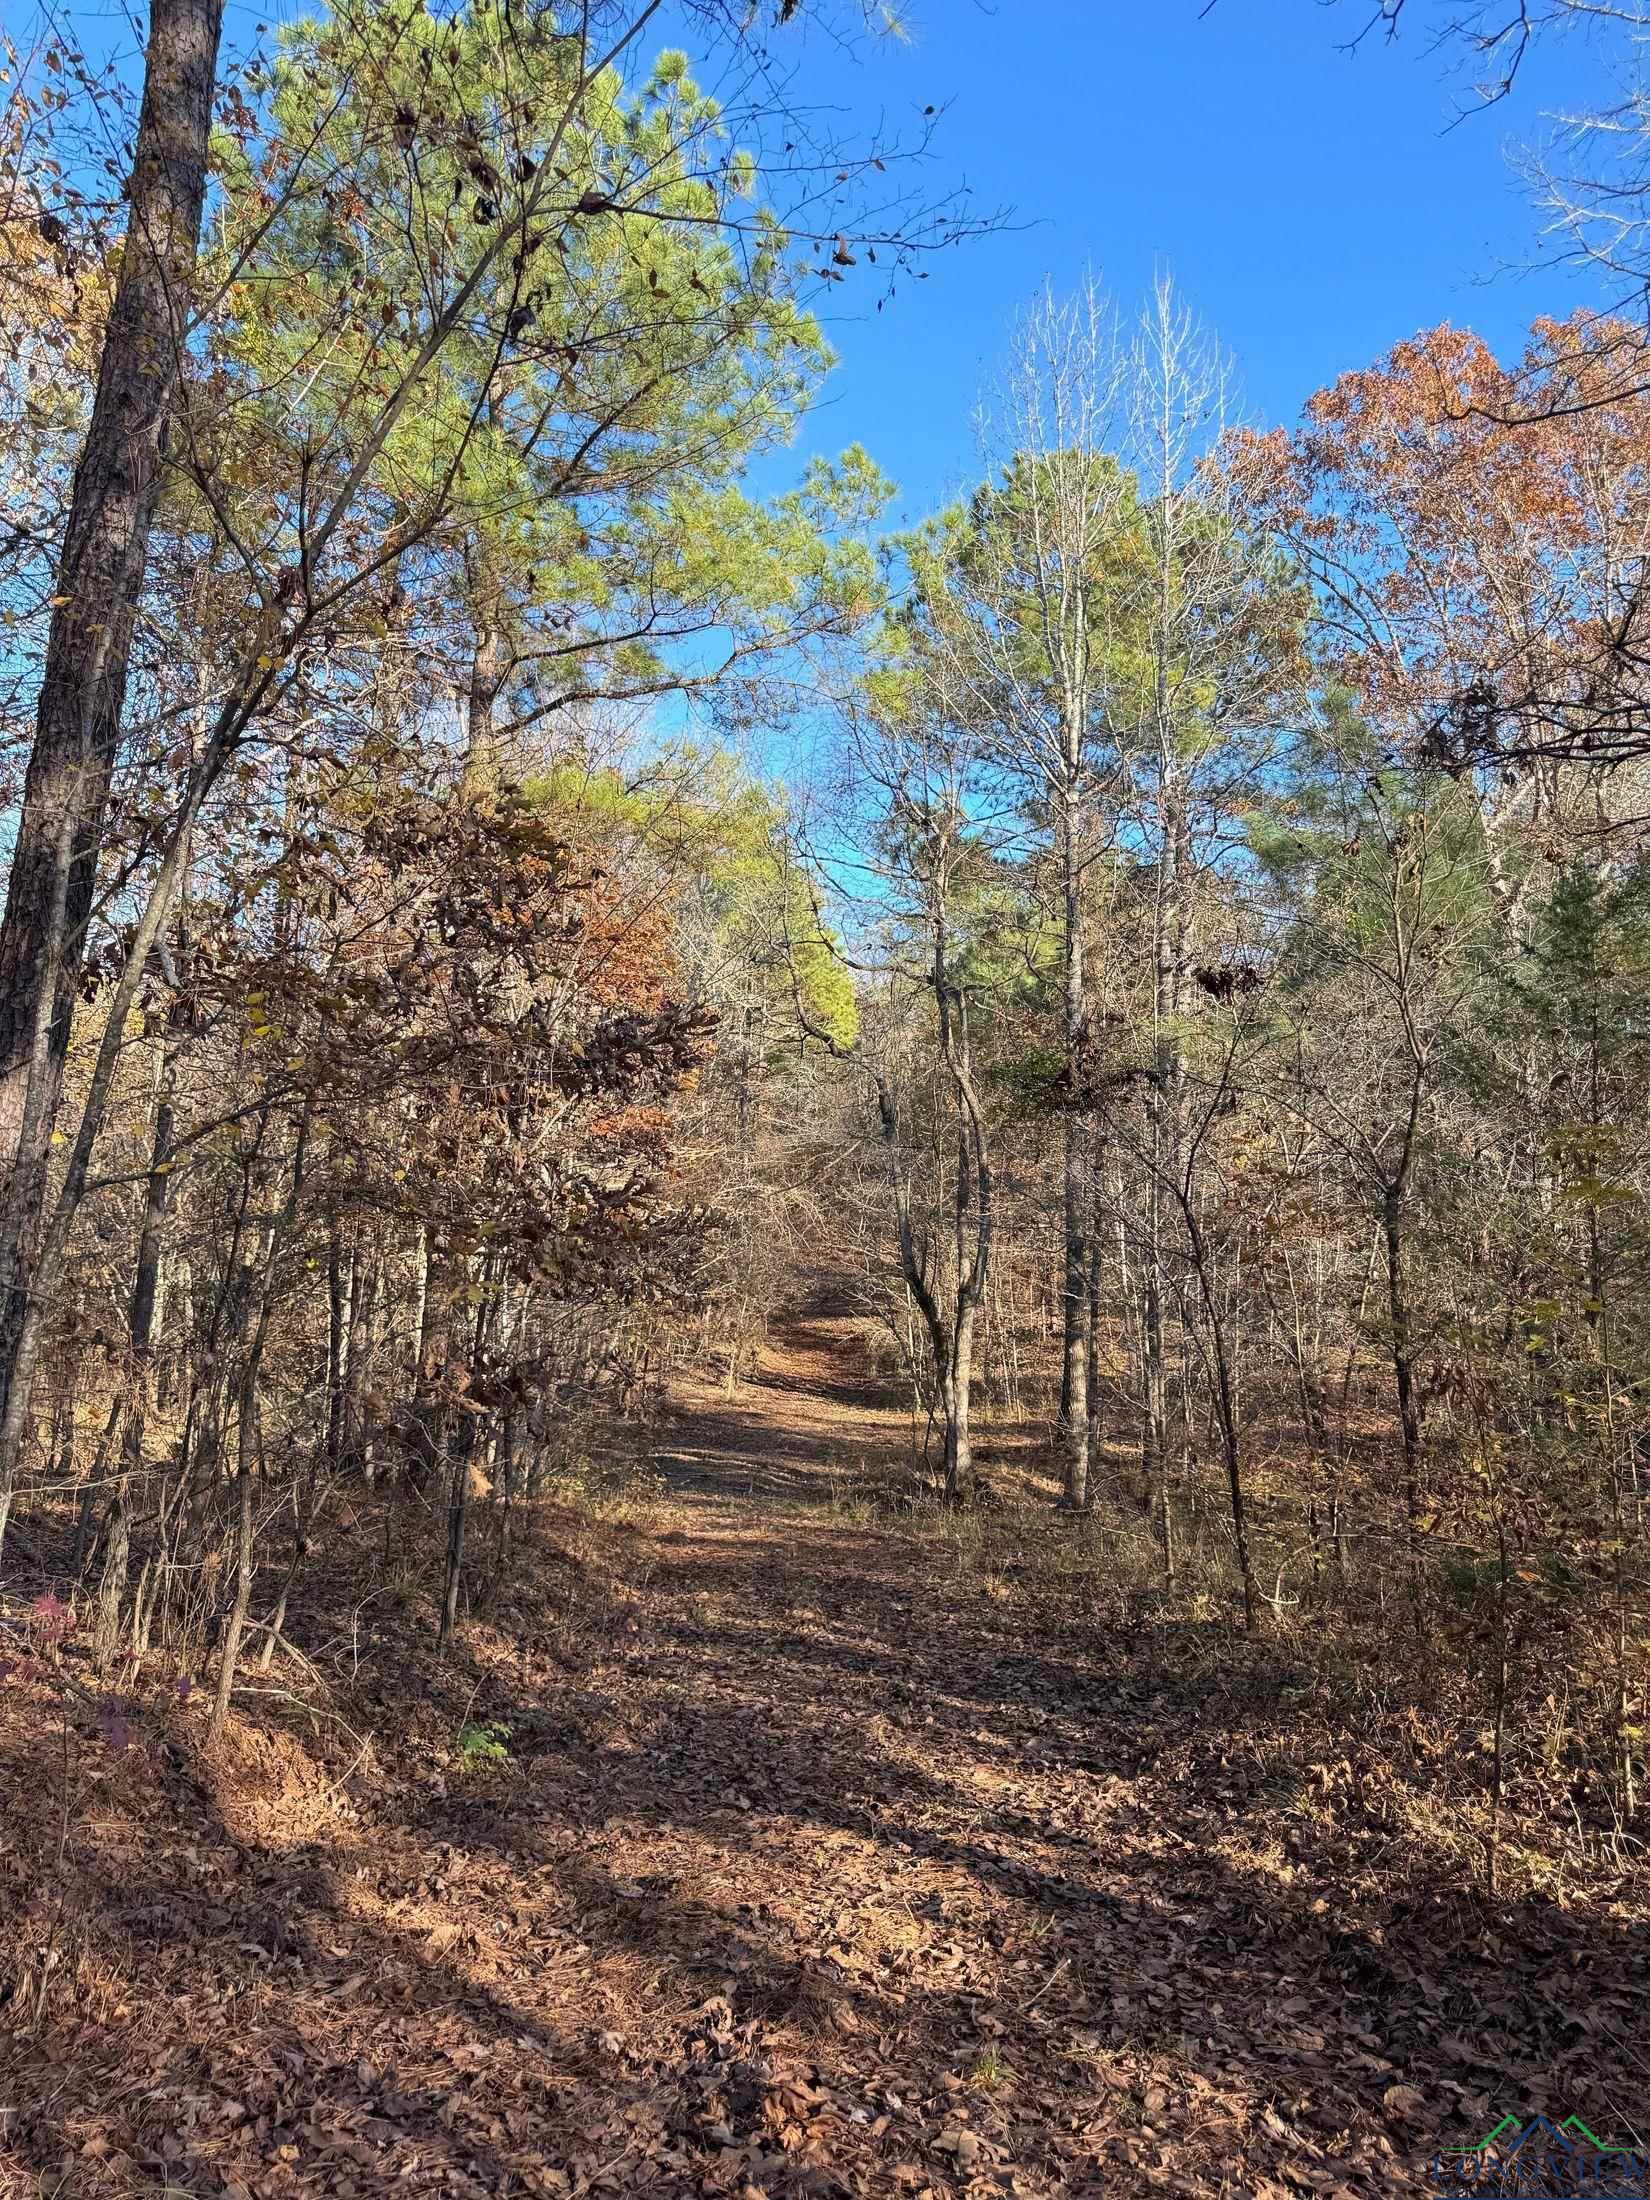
column 822, row 1858
column 811, row 1415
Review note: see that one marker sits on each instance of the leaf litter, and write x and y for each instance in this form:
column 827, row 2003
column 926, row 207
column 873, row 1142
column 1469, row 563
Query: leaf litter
column 810, row 1868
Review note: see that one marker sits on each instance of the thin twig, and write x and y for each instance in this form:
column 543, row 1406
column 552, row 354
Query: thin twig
column 1064, row 1964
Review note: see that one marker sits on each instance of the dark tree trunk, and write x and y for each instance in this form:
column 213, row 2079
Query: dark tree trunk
column 99, row 581
column 144, row 1325
column 458, row 1495
column 1096, row 1279
column 247, row 1443
column 235, row 1628
column 358, row 1352
column 1403, row 1365
column 1226, row 1414
column 146, row 1291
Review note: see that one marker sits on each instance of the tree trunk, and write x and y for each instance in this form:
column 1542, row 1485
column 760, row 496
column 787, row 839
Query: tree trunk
column 458, row 1501
column 146, row 1280
column 144, row 1322
column 229, row 1655
column 458, row 1511
column 99, row 581
column 358, row 1355
column 487, row 671
column 1225, row 1402
column 1170, row 934
column 1154, row 1389
column 1403, row 1369
column 957, row 1394
column 421, row 1307
column 340, row 1301
column 1094, row 1279
column 111, row 1588
column 246, row 1440
column 1074, row 1397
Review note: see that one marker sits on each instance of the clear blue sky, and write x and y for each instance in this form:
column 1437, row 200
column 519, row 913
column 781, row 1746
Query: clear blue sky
column 1314, row 204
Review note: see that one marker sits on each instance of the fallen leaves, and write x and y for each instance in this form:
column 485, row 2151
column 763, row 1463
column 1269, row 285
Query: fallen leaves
column 995, row 1908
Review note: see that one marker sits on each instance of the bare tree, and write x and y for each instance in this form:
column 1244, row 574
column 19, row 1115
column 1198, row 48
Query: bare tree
column 934, row 843
column 1022, row 606
column 1213, row 670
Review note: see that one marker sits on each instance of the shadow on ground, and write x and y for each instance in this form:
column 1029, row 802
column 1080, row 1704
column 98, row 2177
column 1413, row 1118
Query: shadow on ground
column 815, row 1864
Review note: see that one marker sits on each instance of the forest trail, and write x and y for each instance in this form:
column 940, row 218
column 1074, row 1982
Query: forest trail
column 812, row 1413
column 817, row 1855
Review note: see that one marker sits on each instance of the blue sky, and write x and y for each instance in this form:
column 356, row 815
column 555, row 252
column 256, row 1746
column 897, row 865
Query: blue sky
column 1314, row 204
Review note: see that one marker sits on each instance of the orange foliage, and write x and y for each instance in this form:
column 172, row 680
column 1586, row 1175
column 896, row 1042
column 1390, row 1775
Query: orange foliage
column 1478, row 533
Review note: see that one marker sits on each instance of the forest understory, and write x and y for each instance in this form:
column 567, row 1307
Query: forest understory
column 758, row 1838
column 824, row 1263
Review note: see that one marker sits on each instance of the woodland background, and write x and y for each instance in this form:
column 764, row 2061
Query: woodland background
column 1181, row 1016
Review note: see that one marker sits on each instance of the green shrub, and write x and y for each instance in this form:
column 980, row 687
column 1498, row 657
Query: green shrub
column 482, row 1742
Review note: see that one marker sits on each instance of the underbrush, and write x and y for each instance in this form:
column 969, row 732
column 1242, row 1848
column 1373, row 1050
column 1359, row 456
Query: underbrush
column 615, row 1486
column 1413, row 1716
column 963, row 1739
column 1448, row 1726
